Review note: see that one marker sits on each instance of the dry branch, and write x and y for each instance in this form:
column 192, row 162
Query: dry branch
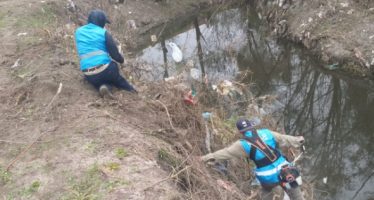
column 27, row 149
column 54, row 97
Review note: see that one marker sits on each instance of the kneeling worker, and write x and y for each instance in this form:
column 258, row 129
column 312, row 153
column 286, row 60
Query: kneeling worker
column 272, row 168
column 98, row 55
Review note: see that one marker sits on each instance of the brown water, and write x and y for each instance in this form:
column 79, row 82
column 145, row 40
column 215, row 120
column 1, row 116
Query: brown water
column 335, row 113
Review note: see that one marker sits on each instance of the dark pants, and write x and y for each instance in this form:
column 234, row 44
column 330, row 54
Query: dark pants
column 268, row 193
column 111, row 77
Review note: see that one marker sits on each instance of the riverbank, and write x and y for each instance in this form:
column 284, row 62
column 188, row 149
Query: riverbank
column 340, row 33
column 61, row 140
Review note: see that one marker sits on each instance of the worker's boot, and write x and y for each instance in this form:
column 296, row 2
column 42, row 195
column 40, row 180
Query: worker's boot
column 105, row 92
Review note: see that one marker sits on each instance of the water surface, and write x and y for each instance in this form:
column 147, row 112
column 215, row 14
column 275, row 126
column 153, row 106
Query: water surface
column 333, row 112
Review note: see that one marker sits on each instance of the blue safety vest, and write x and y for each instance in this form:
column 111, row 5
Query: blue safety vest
column 268, row 174
column 90, row 41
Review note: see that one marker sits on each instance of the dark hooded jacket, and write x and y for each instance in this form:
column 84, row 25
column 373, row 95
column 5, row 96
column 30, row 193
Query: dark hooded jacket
column 99, row 18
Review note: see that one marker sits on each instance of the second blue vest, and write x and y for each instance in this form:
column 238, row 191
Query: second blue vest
column 90, row 41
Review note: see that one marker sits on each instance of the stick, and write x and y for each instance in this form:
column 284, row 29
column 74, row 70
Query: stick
column 167, row 112
column 167, row 178
column 54, row 97
column 207, row 137
column 27, row 148
column 13, row 142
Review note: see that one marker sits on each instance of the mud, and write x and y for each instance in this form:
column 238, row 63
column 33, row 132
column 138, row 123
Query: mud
column 63, row 145
column 339, row 33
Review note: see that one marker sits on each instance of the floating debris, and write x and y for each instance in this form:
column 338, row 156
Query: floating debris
column 195, row 73
column 176, row 52
column 324, row 180
column 332, row 66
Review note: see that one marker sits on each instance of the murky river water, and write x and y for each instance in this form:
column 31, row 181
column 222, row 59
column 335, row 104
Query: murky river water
column 334, row 113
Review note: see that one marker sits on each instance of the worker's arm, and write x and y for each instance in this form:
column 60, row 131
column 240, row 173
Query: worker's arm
column 112, row 48
column 234, row 151
column 288, row 140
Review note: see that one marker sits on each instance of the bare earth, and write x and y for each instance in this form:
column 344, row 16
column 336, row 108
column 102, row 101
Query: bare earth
column 72, row 144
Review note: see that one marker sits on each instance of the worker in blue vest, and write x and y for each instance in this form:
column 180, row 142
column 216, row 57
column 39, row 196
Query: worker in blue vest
column 272, row 168
column 99, row 55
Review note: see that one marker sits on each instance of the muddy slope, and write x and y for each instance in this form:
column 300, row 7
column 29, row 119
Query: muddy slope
column 58, row 138
column 340, row 33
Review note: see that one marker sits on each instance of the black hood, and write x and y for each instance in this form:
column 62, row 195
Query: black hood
column 98, row 17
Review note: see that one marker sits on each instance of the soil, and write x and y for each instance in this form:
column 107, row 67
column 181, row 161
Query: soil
column 339, row 33
column 60, row 140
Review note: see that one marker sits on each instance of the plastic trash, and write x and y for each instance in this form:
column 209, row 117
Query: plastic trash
column 153, row 38
column 16, row 64
column 207, row 115
column 286, row 197
column 195, row 73
column 332, row 66
column 324, row 180
column 189, row 98
column 22, row 34
column 169, row 79
column 225, row 87
column 176, row 52
column 255, row 182
column 255, row 121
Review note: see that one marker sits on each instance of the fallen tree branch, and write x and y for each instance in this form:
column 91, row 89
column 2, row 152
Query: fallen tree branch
column 54, row 97
column 167, row 112
column 27, row 149
column 168, row 178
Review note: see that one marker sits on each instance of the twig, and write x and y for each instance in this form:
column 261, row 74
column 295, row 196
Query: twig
column 167, row 112
column 207, row 137
column 13, row 142
column 54, row 97
column 167, row 178
column 162, row 30
column 27, row 148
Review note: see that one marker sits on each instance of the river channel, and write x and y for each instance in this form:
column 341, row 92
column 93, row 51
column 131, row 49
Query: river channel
column 333, row 112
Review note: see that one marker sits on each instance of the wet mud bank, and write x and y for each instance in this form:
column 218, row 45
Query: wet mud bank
column 339, row 33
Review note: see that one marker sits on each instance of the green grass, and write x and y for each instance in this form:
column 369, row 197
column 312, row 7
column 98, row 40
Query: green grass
column 43, row 17
column 92, row 184
column 113, row 166
column 29, row 191
column 87, row 187
column 2, row 20
column 121, row 153
column 5, row 176
column 91, row 147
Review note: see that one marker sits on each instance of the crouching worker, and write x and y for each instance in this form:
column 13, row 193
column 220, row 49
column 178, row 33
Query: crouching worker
column 98, row 55
column 272, row 168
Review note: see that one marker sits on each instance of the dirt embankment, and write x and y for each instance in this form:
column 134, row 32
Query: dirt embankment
column 340, row 33
column 60, row 140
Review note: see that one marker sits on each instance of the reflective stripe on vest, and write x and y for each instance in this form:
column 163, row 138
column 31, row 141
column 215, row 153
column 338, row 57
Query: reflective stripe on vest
column 92, row 54
column 271, row 171
column 91, row 46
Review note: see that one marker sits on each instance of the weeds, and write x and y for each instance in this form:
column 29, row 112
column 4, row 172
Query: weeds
column 5, row 176
column 91, row 147
column 113, row 166
column 121, row 153
column 92, row 184
column 34, row 187
column 39, row 19
column 86, row 188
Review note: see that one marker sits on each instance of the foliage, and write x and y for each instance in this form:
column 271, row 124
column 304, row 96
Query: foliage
column 39, row 19
column 121, row 153
column 5, row 176
column 113, row 166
